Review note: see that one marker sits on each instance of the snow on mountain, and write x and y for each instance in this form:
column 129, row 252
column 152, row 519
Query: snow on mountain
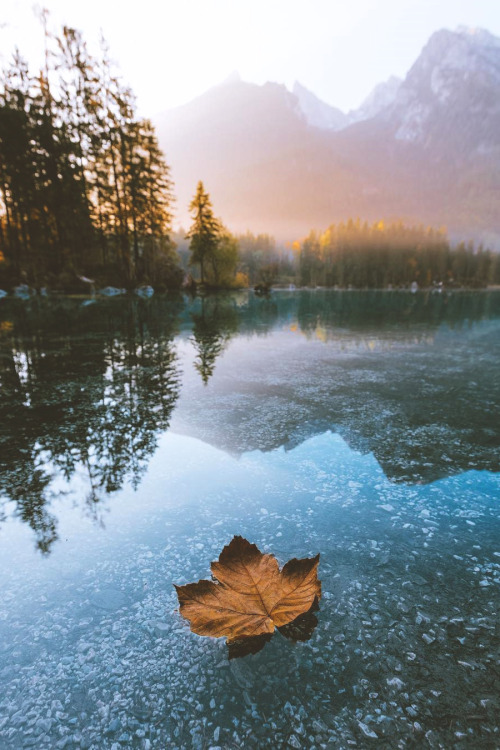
column 382, row 96
column 318, row 113
column 456, row 72
column 321, row 115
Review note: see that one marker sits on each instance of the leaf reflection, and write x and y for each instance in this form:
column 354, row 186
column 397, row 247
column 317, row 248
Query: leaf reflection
column 300, row 629
column 246, row 646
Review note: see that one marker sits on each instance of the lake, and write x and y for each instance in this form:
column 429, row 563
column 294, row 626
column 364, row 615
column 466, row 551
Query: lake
column 139, row 436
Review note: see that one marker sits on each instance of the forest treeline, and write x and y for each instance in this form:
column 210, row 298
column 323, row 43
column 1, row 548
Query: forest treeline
column 384, row 254
column 86, row 195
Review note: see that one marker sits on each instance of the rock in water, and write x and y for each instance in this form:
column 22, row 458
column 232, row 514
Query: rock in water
column 111, row 291
column 145, row 291
column 109, row 599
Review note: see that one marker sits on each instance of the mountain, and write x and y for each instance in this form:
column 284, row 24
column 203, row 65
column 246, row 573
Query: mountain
column 449, row 100
column 382, row 96
column 426, row 149
column 253, row 148
column 319, row 114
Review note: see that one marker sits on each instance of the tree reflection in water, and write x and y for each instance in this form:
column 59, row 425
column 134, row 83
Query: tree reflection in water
column 84, row 391
column 213, row 326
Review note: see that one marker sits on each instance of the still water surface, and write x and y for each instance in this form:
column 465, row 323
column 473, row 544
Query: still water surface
column 137, row 437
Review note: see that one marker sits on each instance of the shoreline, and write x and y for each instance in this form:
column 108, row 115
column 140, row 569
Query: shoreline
column 27, row 295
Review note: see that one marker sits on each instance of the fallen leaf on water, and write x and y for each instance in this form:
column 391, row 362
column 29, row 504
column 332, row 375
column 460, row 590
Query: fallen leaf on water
column 251, row 596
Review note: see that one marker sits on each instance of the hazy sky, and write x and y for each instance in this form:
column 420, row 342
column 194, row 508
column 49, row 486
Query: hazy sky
column 171, row 51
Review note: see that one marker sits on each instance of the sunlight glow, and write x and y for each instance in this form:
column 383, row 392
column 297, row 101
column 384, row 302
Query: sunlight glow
column 172, row 52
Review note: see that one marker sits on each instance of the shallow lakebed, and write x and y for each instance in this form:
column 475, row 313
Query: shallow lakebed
column 139, row 436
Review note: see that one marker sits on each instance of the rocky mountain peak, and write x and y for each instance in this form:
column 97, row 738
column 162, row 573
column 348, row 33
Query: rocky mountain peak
column 233, row 77
column 382, row 96
column 458, row 52
column 457, row 71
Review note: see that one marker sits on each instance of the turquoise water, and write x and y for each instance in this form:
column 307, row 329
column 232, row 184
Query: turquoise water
column 139, row 436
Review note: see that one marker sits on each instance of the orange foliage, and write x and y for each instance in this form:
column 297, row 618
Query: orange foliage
column 6, row 327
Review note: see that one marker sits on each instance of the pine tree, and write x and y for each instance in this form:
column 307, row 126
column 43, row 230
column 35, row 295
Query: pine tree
column 205, row 232
column 84, row 187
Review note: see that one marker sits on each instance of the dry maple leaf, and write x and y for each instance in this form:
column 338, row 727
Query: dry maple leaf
column 252, row 596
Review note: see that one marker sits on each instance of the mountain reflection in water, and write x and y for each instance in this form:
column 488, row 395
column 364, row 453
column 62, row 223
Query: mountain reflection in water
column 89, row 387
